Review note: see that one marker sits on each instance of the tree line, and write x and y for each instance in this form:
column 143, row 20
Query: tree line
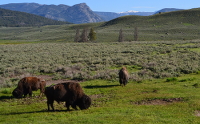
column 84, row 37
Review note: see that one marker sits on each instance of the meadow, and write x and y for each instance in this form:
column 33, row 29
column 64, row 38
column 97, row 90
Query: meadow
column 163, row 87
column 164, row 68
column 159, row 101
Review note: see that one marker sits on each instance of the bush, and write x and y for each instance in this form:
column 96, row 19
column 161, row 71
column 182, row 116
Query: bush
column 96, row 61
column 171, row 79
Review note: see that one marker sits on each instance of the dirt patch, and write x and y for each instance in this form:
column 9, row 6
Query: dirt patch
column 96, row 96
column 158, row 101
column 197, row 113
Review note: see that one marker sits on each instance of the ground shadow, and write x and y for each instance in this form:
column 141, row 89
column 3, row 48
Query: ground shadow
column 99, row 86
column 5, row 97
column 42, row 111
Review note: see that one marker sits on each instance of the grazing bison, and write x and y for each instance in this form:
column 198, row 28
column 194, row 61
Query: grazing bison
column 69, row 92
column 123, row 76
column 28, row 84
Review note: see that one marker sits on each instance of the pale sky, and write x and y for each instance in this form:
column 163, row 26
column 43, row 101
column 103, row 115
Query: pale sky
column 119, row 5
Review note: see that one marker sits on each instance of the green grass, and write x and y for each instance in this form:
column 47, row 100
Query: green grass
column 112, row 103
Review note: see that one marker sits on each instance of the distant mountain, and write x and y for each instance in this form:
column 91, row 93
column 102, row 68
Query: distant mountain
column 167, row 10
column 22, row 7
column 11, row 18
column 131, row 12
column 107, row 16
column 79, row 13
column 51, row 11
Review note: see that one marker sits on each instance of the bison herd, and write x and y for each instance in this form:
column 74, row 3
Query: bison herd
column 69, row 92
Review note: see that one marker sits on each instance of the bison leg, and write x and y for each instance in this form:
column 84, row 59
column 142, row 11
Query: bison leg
column 30, row 94
column 50, row 103
column 42, row 90
column 67, row 105
column 25, row 94
column 121, row 82
column 125, row 83
column 30, row 91
column 74, row 106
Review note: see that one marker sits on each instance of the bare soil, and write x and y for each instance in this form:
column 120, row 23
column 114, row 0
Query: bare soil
column 159, row 101
column 197, row 113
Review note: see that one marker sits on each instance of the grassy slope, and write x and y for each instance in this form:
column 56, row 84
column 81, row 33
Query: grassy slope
column 179, row 25
column 113, row 104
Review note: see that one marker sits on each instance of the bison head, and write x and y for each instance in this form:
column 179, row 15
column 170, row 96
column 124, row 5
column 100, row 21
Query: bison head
column 84, row 102
column 17, row 93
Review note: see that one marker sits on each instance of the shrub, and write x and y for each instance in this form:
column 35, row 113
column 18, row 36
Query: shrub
column 171, row 79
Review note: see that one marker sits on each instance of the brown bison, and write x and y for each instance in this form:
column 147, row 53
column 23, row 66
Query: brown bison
column 123, row 76
column 69, row 92
column 28, row 84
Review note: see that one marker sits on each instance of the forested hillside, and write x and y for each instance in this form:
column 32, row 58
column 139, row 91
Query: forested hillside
column 10, row 18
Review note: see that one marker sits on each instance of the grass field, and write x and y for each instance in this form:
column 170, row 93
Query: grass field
column 153, row 101
column 171, row 98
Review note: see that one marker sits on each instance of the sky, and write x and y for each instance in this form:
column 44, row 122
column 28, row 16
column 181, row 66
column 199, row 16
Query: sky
column 119, row 5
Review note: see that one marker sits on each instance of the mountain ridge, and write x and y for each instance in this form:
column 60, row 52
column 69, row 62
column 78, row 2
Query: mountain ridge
column 10, row 18
column 78, row 13
column 58, row 12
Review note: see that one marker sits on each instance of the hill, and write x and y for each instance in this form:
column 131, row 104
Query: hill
column 167, row 10
column 107, row 16
column 11, row 18
column 177, row 25
column 171, row 18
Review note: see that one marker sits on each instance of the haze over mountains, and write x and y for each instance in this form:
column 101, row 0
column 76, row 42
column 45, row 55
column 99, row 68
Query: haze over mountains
column 79, row 13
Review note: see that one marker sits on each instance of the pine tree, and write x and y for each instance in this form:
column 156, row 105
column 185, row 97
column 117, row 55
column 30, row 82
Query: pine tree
column 77, row 36
column 92, row 35
column 121, row 37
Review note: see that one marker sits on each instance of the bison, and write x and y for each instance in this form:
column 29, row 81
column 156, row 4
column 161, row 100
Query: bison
column 69, row 92
column 123, row 76
column 28, row 84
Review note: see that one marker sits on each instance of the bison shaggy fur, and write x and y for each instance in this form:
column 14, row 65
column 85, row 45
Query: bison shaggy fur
column 69, row 92
column 28, row 84
column 123, row 76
